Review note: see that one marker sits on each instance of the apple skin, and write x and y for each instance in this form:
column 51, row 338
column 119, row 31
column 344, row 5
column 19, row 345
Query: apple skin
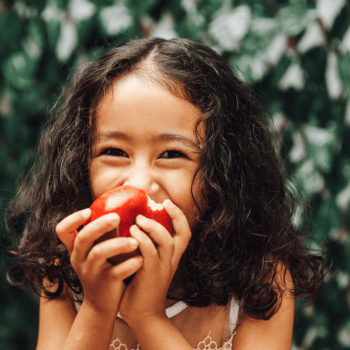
column 127, row 202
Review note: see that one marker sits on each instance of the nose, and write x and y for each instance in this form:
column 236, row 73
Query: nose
column 142, row 177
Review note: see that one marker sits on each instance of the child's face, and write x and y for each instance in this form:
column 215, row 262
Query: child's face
column 141, row 110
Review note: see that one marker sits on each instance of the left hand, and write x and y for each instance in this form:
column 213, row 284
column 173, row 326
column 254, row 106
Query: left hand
column 145, row 296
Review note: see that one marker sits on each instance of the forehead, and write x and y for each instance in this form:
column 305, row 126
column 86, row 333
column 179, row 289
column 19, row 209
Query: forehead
column 141, row 108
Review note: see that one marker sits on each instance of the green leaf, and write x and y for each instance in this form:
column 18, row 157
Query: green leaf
column 53, row 15
column 35, row 42
column 261, row 33
column 321, row 144
column 294, row 19
column 67, row 41
column 81, row 10
column 345, row 168
column 102, row 3
column 344, row 70
column 107, row 19
column 207, row 7
column 253, row 67
column 190, row 26
column 10, row 26
column 309, row 178
column 17, row 132
column 29, row 100
column 84, row 29
column 18, row 69
column 3, row 160
column 53, row 31
column 5, row 345
column 281, row 67
column 139, row 7
column 328, row 219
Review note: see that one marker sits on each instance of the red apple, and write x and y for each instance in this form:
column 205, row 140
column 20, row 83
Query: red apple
column 127, row 202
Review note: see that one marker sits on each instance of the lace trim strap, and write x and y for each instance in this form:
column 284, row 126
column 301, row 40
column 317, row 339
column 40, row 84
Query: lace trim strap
column 118, row 345
column 206, row 344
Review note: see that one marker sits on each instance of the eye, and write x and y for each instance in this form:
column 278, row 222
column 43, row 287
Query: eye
column 118, row 152
column 112, row 151
column 175, row 151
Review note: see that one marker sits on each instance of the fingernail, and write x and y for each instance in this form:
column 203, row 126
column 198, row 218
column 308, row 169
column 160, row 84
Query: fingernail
column 85, row 212
column 113, row 219
column 140, row 218
column 133, row 242
column 168, row 203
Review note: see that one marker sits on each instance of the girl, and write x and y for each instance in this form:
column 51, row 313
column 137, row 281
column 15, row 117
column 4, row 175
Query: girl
column 170, row 117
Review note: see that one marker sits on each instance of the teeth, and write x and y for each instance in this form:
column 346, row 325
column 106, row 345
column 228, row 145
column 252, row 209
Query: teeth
column 153, row 205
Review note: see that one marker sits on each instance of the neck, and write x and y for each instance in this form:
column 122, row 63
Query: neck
column 175, row 288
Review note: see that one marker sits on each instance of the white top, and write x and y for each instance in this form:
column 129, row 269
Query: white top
column 173, row 310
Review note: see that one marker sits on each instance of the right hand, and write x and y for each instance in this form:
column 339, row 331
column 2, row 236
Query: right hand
column 102, row 282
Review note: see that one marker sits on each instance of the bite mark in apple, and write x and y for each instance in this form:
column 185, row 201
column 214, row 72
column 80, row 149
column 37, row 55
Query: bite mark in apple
column 116, row 201
column 127, row 202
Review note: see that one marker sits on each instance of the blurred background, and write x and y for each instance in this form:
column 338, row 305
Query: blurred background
column 295, row 54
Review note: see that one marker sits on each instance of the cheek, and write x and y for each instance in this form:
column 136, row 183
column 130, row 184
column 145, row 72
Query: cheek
column 191, row 212
column 102, row 179
column 94, row 174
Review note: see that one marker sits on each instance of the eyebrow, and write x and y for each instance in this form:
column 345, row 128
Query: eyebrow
column 165, row 137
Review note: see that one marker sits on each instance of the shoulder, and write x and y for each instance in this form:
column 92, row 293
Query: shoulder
column 275, row 333
column 56, row 317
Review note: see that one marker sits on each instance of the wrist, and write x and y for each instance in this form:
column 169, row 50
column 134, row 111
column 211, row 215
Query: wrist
column 157, row 332
column 146, row 321
column 107, row 313
column 91, row 329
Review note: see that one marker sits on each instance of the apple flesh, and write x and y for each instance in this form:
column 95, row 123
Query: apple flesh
column 127, row 202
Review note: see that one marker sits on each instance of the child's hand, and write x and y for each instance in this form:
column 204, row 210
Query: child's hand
column 145, row 296
column 102, row 282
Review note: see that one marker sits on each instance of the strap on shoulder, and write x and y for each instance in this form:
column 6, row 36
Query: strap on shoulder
column 234, row 309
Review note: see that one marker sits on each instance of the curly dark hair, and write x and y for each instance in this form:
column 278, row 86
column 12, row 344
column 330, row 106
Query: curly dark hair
column 246, row 229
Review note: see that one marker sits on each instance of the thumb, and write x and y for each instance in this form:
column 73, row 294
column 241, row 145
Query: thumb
column 67, row 229
column 68, row 239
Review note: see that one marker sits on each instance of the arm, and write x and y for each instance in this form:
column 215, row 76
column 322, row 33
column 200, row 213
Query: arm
column 274, row 334
column 143, row 303
column 60, row 327
column 158, row 333
column 55, row 320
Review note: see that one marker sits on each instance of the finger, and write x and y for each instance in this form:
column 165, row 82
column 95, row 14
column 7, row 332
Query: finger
column 98, row 255
column 125, row 269
column 160, row 236
column 67, row 228
column 182, row 230
column 95, row 229
column 146, row 246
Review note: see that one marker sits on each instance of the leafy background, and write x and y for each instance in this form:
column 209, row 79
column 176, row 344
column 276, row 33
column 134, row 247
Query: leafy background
column 295, row 54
